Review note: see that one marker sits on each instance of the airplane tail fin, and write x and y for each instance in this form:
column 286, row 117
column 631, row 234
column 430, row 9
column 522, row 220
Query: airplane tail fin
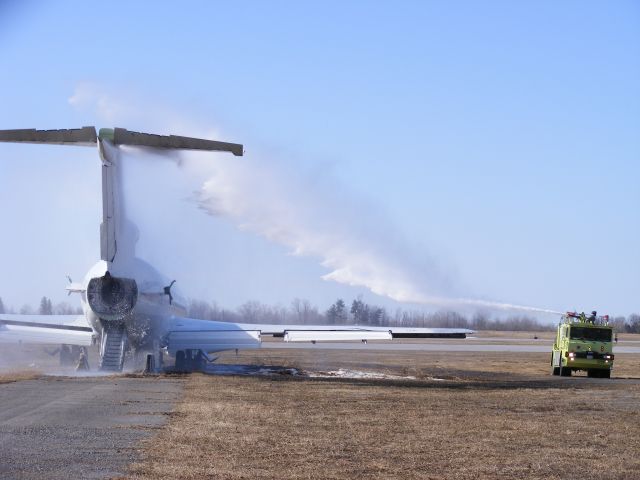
column 116, row 233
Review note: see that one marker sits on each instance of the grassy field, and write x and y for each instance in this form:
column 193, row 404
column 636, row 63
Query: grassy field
column 449, row 365
column 16, row 376
column 468, row 416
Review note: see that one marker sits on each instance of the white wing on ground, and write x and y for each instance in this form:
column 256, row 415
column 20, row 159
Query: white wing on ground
column 352, row 332
column 45, row 329
column 210, row 341
column 212, row 336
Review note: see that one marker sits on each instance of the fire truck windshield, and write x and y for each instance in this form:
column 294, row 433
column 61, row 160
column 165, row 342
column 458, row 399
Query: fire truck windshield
column 591, row 334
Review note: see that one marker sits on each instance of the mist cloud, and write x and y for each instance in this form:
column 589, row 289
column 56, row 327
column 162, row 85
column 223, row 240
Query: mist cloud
column 309, row 211
column 313, row 215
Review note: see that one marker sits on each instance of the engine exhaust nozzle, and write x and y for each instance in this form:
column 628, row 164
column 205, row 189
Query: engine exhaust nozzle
column 112, row 298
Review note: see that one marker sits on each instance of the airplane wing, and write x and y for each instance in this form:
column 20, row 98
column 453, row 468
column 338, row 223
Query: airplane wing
column 213, row 336
column 45, row 329
column 349, row 332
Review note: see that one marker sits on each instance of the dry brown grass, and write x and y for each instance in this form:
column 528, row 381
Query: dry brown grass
column 17, row 376
column 450, row 365
column 488, row 421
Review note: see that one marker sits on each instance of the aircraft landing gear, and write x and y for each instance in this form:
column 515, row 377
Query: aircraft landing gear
column 152, row 360
column 190, row 360
column 180, row 361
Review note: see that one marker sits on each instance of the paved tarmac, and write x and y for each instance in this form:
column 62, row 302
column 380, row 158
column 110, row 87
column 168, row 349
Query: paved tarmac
column 442, row 346
column 68, row 428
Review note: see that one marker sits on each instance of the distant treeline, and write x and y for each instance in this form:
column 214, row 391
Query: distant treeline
column 361, row 313
column 302, row 312
column 46, row 308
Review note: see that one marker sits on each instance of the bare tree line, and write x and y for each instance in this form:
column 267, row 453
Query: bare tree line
column 303, row 312
column 46, row 307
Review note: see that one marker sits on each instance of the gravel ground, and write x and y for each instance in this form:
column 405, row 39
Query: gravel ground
column 62, row 428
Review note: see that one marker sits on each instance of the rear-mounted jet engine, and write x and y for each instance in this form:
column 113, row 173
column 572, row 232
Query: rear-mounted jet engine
column 112, row 298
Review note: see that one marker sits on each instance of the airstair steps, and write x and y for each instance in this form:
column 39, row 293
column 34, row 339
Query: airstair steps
column 114, row 340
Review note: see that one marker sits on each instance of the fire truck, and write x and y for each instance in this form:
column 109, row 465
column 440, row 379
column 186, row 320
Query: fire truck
column 583, row 343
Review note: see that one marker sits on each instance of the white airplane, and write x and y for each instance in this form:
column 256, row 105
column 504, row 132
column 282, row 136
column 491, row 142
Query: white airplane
column 129, row 306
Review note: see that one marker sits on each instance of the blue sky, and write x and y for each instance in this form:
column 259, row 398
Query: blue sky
column 494, row 143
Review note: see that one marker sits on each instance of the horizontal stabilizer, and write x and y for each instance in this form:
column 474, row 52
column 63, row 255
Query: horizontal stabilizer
column 121, row 136
column 85, row 136
column 75, row 288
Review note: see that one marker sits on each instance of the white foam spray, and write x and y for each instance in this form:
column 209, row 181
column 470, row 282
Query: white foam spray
column 315, row 217
column 311, row 213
